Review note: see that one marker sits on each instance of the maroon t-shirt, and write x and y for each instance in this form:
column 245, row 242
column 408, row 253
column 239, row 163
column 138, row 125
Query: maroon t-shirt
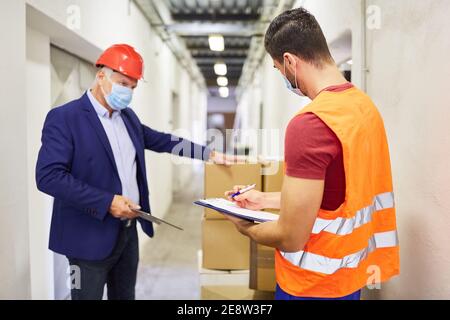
column 313, row 151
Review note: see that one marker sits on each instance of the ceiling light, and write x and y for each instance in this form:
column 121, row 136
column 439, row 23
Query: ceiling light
column 222, row 81
column 220, row 69
column 216, row 43
column 224, row 92
column 350, row 62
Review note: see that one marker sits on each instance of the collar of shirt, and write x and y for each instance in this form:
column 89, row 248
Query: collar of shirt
column 339, row 87
column 101, row 111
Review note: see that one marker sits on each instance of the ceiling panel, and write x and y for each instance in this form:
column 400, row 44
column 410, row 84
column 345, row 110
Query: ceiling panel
column 193, row 19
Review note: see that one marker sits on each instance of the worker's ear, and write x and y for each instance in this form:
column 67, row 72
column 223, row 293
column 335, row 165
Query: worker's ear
column 100, row 75
column 290, row 60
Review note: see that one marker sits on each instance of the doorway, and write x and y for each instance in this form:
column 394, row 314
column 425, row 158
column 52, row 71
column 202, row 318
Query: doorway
column 71, row 76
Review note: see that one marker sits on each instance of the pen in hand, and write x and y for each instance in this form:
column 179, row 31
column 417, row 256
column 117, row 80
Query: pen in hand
column 251, row 187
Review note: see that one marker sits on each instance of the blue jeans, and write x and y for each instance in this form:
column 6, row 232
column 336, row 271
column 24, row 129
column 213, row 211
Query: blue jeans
column 281, row 295
column 118, row 271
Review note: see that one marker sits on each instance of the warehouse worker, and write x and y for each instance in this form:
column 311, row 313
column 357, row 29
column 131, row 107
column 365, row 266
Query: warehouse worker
column 337, row 227
column 92, row 162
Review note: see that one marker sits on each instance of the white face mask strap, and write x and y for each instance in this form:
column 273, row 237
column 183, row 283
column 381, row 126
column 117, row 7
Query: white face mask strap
column 296, row 84
column 295, row 74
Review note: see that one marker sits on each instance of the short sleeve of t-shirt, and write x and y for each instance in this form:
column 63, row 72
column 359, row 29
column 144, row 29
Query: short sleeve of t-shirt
column 310, row 147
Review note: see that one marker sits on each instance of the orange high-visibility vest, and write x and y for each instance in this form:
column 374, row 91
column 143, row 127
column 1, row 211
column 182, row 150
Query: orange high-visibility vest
column 356, row 245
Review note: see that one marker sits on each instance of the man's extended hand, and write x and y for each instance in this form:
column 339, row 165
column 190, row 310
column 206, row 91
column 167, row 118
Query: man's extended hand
column 121, row 208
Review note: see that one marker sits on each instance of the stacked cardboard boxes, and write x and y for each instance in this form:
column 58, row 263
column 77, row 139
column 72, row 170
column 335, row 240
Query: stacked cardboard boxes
column 226, row 254
column 224, row 248
column 262, row 268
column 219, row 179
column 225, row 284
column 272, row 178
column 262, row 258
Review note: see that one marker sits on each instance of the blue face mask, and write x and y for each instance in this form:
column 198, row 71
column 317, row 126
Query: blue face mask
column 297, row 91
column 119, row 98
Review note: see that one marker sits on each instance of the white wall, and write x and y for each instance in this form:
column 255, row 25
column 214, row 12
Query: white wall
column 38, row 103
column 14, row 246
column 28, row 72
column 409, row 80
column 182, row 86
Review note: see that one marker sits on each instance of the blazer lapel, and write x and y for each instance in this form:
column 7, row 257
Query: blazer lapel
column 98, row 128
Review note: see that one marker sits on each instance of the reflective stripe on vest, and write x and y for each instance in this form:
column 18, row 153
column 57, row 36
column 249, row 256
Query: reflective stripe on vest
column 317, row 263
column 342, row 226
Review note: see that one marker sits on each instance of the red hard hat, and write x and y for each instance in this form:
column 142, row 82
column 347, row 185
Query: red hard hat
column 124, row 59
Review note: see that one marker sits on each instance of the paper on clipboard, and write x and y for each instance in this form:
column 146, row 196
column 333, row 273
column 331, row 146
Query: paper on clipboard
column 228, row 207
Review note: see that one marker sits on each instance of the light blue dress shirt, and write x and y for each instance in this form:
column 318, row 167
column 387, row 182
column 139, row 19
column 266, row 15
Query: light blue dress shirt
column 122, row 148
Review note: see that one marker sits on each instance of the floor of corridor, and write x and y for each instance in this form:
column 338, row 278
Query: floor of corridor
column 168, row 267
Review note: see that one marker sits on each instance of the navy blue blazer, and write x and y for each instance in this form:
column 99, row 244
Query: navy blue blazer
column 76, row 166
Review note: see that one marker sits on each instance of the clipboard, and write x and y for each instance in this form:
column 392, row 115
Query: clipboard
column 227, row 207
column 147, row 216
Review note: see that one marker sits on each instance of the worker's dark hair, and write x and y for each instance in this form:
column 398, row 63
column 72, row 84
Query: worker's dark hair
column 297, row 32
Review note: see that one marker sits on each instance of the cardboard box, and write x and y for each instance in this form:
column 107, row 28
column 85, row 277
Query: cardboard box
column 219, row 179
column 262, row 268
column 233, row 293
column 272, row 179
column 273, row 174
column 224, row 248
column 211, row 277
column 225, row 278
